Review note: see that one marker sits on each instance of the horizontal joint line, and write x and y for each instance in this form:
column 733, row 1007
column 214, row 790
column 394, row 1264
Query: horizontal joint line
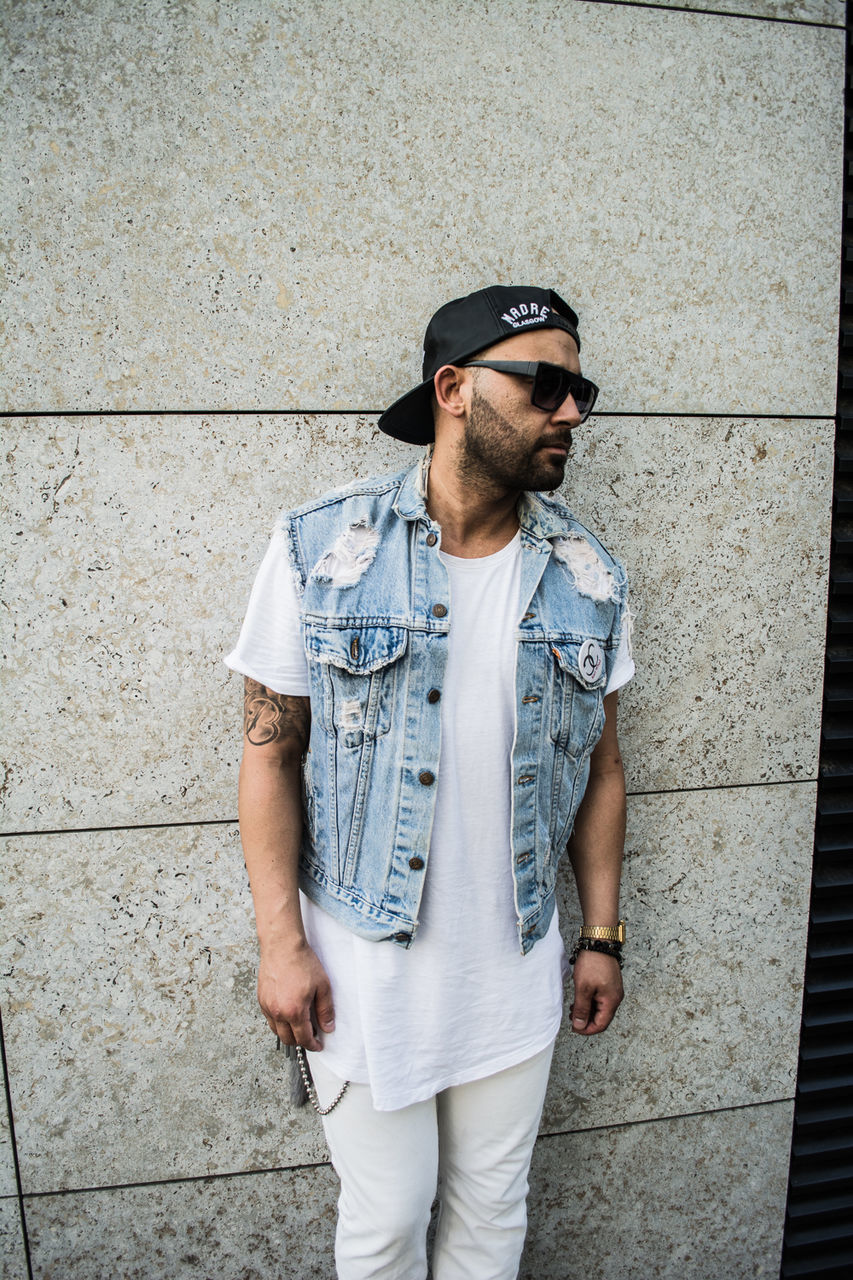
column 375, row 413
column 227, row 822
column 719, row 13
column 678, row 1115
column 168, row 1182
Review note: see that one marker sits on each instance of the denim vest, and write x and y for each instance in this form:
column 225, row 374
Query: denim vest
column 376, row 613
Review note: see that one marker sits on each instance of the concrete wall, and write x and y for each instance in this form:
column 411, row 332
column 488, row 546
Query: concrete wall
column 225, row 227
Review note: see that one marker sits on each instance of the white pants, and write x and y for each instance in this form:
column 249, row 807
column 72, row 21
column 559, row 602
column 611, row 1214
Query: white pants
column 473, row 1140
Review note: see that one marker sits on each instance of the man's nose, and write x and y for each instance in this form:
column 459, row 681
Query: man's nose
column 568, row 412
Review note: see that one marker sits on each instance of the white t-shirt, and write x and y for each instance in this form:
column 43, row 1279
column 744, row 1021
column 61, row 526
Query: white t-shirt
column 462, row 1002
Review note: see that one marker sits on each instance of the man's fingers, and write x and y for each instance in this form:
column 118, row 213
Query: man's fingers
column 580, row 1013
column 304, row 1035
column 603, row 1015
column 324, row 1008
column 295, row 1029
column 282, row 1031
column 592, row 1016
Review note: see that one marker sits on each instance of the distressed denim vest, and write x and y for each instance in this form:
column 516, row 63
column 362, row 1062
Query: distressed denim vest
column 376, row 613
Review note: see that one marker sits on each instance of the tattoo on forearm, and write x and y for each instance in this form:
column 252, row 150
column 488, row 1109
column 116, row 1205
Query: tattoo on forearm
column 269, row 716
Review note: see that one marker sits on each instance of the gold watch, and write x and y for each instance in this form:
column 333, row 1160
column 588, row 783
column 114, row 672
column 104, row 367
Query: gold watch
column 608, row 932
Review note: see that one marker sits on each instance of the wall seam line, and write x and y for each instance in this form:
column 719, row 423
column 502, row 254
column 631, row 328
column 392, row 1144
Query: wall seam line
column 171, row 1182
column 678, row 1115
column 325, row 1164
column 22, row 1214
column 229, row 822
column 719, row 13
column 375, row 413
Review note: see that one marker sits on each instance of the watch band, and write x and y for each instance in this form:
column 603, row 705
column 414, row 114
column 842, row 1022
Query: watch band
column 610, row 933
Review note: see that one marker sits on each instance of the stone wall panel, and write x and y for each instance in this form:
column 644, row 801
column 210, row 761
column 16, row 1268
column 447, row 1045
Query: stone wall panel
column 134, row 543
column 715, row 889
column 693, row 1198
column 136, row 1050
column 13, row 1259
column 135, row 1045
column 275, row 1226
column 258, row 204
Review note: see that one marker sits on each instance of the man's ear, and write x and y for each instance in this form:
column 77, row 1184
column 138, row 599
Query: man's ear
column 450, row 385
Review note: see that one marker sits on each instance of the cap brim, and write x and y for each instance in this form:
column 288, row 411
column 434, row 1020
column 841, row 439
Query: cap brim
column 410, row 418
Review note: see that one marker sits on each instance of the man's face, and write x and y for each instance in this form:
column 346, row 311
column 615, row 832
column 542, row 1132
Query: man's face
column 508, row 443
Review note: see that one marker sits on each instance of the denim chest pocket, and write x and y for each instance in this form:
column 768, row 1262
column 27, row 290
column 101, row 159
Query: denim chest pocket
column 359, row 668
column 579, row 676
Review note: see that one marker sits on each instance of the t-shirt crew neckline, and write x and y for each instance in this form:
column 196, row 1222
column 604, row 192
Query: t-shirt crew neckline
column 473, row 563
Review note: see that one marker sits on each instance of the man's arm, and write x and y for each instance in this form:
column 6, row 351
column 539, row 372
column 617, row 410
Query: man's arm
column 595, row 850
column 292, row 984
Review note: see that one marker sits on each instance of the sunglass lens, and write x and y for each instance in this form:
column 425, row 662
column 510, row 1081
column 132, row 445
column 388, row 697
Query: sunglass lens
column 551, row 387
column 553, row 384
column 584, row 396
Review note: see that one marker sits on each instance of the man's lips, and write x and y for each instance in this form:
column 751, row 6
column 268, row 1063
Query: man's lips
column 561, row 447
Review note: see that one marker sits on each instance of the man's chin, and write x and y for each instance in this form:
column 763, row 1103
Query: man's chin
column 547, row 477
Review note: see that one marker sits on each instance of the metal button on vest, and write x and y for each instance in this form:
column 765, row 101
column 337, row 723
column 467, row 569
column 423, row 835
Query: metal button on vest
column 433, row 695
column 402, row 937
column 440, row 610
column 416, row 864
column 426, row 778
column 431, row 540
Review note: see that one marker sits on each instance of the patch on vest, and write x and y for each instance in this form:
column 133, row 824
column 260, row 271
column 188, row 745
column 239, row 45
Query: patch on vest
column 350, row 556
column 591, row 576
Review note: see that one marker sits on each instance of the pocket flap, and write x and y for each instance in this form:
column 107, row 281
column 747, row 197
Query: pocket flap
column 357, row 649
column 583, row 659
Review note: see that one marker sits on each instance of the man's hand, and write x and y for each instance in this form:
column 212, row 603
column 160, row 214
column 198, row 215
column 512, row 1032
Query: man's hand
column 295, row 995
column 598, row 992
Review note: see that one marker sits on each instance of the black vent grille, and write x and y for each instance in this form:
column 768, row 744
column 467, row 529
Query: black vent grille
column 818, row 1240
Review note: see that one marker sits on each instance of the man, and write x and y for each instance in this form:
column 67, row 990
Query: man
column 431, row 664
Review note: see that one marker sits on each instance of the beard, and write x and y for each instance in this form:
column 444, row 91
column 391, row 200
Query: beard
column 495, row 453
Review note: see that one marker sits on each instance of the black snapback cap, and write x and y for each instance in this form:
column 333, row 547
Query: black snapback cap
column 460, row 329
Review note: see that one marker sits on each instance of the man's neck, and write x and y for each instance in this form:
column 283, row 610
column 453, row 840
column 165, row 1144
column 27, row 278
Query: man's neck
column 473, row 522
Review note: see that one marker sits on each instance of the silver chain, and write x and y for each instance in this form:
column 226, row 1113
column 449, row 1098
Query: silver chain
column 309, row 1087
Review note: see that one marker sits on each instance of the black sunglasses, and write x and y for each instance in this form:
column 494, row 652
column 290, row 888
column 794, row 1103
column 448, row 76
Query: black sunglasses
column 551, row 383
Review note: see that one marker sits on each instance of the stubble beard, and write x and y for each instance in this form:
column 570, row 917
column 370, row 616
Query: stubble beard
column 495, row 457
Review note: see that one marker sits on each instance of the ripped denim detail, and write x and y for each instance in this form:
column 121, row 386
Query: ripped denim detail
column 349, row 557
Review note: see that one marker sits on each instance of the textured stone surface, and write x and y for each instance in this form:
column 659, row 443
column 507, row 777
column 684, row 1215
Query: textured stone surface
column 716, row 891
column 136, row 1051
column 274, row 1226
column 258, row 203
column 13, row 1261
column 788, row 10
column 7, row 1160
column 695, row 1198
column 133, row 544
